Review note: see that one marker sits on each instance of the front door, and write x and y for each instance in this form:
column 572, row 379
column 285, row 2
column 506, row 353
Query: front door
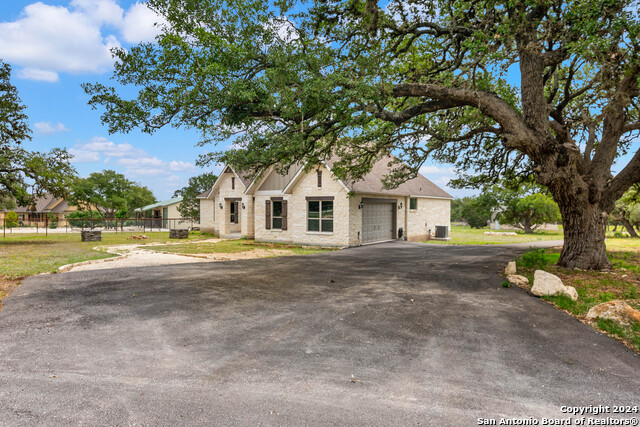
column 234, row 217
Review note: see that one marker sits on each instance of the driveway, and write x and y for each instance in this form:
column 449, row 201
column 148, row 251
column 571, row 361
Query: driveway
column 389, row 334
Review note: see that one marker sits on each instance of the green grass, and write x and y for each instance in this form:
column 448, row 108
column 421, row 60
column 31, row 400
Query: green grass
column 28, row 254
column 235, row 246
column 474, row 236
column 593, row 287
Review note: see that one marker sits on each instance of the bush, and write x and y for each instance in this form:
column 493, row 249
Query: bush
column 11, row 219
column 53, row 220
column 537, row 259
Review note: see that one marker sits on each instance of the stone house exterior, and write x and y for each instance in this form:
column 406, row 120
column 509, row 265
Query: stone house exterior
column 313, row 207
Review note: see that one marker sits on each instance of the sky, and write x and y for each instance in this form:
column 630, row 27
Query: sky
column 54, row 46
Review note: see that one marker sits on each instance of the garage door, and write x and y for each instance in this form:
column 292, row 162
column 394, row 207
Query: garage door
column 377, row 221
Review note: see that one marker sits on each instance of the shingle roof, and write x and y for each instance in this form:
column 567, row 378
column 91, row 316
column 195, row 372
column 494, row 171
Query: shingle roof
column 372, row 182
column 40, row 205
column 205, row 194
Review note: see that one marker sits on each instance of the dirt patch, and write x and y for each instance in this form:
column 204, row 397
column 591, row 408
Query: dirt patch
column 256, row 253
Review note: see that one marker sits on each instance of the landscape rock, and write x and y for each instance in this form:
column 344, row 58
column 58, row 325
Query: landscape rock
column 518, row 280
column 571, row 293
column 177, row 233
column 547, row 284
column 91, row 235
column 500, row 233
column 618, row 311
column 511, row 268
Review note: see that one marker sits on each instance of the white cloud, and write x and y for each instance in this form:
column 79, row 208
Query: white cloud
column 46, row 40
column 179, row 166
column 48, row 128
column 138, row 24
column 135, row 172
column 38, row 75
column 435, row 170
column 141, row 161
column 84, row 156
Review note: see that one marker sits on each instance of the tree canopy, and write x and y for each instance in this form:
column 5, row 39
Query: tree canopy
column 360, row 79
column 26, row 174
column 109, row 194
column 190, row 205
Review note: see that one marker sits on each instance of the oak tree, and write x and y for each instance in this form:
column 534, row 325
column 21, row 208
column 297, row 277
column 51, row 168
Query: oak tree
column 26, row 174
column 498, row 88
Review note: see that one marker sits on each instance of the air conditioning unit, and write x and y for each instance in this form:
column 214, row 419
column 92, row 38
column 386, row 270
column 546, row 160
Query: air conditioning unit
column 442, row 231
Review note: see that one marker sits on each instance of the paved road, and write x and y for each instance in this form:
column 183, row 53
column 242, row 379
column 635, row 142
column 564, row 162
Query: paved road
column 390, row 334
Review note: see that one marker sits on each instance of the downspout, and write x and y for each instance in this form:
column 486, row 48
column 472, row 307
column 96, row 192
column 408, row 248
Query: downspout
column 406, row 218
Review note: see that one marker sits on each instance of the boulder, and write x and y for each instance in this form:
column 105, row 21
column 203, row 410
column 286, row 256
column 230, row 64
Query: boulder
column 571, row 293
column 618, row 311
column 547, row 284
column 518, row 280
column 510, row 269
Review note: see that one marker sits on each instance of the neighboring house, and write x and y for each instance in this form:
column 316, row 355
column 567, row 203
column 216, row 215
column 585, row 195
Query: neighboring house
column 316, row 208
column 36, row 214
column 165, row 214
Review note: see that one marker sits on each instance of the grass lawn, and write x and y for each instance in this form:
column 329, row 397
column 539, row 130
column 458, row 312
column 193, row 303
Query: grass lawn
column 23, row 255
column 622, row 283
column 235, row 246
column 474, row 236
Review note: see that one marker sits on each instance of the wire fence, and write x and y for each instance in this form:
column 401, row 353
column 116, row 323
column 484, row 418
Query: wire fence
column 116, row 225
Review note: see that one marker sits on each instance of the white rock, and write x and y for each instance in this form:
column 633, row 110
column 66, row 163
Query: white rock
column 571, row 293
column 517, row 280
column 511, row 268
column 618, row 311
column 547, row 284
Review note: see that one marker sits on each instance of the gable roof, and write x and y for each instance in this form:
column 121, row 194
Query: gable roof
column 43, row 203
column 372, row 182
column 159, row 204
column 242, row 176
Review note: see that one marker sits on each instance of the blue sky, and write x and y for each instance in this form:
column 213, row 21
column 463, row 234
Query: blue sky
column 55, row 45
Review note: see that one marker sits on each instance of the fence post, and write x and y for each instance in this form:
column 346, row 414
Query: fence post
column 46, row 225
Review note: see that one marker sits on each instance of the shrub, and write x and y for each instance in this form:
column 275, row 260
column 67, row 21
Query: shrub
column 11, row 219
column 537, row 259
column 53, row 220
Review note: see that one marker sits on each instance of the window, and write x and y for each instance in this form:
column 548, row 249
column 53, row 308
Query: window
column 276, row 215
column 413, row 203
column 320, row 215
column 232, row 218
column 319, row 178
column 233, row 183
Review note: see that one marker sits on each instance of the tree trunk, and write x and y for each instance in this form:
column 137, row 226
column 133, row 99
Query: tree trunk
column 629, row 228
column 584, row 226
column 526, row 225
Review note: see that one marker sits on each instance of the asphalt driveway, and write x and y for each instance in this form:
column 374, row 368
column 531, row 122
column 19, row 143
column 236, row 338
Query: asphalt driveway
column 390, row 334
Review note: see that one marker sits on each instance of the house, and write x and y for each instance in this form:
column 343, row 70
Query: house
column 316, row 208
column 165, row 214
column 36, row 214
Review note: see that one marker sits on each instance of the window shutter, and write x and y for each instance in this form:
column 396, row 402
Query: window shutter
column 267, row 210
column 284, row 214
column 235, row 218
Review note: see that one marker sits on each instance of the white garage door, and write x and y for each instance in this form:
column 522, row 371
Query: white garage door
column 377, row 221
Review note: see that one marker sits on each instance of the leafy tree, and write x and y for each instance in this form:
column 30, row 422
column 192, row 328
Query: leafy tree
column 108, row 193
column 477, row 211
column 19, row 168
column 457, row 206
column 359, row 79
column 11, row 219
column 627, row 211
column 190, row 206
column 529, row 212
